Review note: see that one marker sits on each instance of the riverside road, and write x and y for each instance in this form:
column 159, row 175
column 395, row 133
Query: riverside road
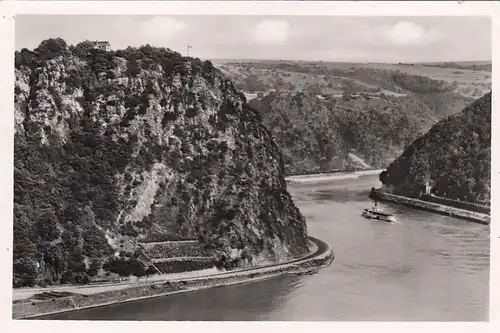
column 425, row 267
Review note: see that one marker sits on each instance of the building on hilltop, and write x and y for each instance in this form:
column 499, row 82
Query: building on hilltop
column 102, row 45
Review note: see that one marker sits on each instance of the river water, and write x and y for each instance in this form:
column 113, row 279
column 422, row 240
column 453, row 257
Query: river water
column 426, row 267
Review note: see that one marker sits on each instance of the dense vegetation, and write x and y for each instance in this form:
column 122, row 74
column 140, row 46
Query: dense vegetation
column 323, row 134
column 61, row 187
column 421, row 84
column 453, row 157
column 95, row 129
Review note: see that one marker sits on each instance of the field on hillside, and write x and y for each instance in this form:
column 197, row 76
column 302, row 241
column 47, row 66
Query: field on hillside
column 351, row 78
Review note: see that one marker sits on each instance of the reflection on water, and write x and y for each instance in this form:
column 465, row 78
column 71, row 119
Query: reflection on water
column 339, row 195
column 425, row 267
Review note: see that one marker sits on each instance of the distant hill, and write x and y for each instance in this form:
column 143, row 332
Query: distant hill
column 327, row 116
column 465, row 79
column 321, row 133
column 454, row 157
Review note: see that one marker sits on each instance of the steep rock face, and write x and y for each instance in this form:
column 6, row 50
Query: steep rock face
column 321, row 133
column 142, row 144
column 453, row 157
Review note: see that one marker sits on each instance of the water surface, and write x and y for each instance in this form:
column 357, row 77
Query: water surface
column 426, row 267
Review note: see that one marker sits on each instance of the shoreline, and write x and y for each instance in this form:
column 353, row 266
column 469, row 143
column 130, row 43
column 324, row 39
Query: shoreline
column 322, row 257
column 182, row 291
column 433, row 207
column 429, row 206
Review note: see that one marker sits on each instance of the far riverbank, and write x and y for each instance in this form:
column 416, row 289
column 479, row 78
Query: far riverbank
column 382, row 196
column 321, row 256
column 322, row 177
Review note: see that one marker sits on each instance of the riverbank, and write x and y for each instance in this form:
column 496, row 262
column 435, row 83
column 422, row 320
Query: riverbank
column 322, row 177
column 433, row 207
column 322, row 257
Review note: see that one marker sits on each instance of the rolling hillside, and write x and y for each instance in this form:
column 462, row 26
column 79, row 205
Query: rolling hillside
column 337, row 116
column 339, row 78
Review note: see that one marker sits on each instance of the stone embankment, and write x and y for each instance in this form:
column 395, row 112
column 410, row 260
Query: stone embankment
column 432, row 207
column 323, row 256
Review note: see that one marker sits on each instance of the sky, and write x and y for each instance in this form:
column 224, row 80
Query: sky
column 311, row 38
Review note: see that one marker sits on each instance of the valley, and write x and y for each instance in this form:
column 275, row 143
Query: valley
column 156, row 181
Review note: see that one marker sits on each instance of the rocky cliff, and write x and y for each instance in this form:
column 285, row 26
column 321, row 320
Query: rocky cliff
column 144, row 145
column 453, row 158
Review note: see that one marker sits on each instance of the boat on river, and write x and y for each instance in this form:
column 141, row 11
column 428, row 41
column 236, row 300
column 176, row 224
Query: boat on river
column 378, row 214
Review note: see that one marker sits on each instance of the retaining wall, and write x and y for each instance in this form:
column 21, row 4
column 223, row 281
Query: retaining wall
column 475, row 207
column 39, row 308
column 432, row 207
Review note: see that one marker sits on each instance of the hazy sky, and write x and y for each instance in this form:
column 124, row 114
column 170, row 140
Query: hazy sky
column 357, row 39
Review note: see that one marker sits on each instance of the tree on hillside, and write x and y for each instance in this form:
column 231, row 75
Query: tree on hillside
column 51, row 48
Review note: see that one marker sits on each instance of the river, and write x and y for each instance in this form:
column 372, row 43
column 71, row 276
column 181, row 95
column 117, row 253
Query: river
column 426, row 267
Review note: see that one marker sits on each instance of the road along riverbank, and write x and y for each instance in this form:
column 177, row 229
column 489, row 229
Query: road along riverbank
column 321, row 256
column 432, row 207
